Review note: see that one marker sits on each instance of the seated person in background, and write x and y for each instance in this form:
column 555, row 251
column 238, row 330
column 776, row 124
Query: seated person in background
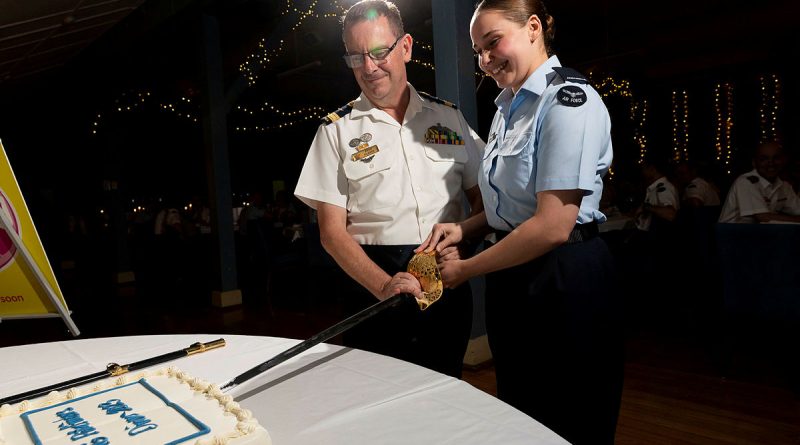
column 697, row 192
column 661, row 204
column 760, row 195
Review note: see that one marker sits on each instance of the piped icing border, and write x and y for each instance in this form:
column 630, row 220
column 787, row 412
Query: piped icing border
column 246, row 423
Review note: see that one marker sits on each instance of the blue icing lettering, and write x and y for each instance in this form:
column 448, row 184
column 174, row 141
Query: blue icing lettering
column 78, row 427
column 140, row 423
column 114, row 406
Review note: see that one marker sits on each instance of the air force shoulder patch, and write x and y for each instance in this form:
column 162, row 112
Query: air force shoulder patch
column 571, row 96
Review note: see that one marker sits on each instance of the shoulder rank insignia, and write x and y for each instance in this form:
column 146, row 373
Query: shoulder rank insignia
column 338, row 114
column 571, row 96
column 570, row 75
column 438, row 134
column 364, row 151
column 753, row 179
column 437, row 100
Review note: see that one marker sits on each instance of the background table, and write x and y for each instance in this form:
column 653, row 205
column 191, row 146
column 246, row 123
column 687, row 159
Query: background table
column 328, row 395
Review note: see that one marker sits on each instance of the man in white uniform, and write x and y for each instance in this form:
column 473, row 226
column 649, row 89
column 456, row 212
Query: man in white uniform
column 380, row 172
column 760, row 195
column 661, row 201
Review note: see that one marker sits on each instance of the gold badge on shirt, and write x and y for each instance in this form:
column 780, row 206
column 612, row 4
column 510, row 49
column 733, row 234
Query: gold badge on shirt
column 438, row 134
column 364, row 151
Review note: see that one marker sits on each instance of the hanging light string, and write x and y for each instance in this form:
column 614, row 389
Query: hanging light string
column 133, row 101
column 639, row 117
column 637, row 109
column 680, row 125
column 185, row 108
column 267, row 110
column 723, row 131
column 770, row 105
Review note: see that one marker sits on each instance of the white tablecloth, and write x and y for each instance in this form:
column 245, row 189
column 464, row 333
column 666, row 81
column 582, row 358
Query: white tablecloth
column 327, row 395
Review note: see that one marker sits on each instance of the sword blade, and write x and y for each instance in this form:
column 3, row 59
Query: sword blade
column 327, row 334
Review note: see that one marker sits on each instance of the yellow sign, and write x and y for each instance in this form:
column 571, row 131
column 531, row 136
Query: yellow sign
column 26, row 290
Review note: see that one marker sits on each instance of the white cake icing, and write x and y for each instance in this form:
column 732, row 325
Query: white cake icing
column 162, row 407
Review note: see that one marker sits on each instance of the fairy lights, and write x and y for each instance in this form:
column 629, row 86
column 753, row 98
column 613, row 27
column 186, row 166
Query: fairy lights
column 723, row 131
column 768, row 110
column 680, row 125
column 637, row 109
column 267, row 111
column 639, row 116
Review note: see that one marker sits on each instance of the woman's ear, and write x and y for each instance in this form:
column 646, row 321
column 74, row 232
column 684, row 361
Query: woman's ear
column 534, row 27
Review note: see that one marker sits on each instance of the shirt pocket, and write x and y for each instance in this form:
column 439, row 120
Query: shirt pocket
column 371, row 184
column 446, row 164
column 515, row 166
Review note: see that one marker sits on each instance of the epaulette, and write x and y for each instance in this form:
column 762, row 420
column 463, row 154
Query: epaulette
column 437, row 100
column 753, row 179
column 570, row 75
column 338, row 114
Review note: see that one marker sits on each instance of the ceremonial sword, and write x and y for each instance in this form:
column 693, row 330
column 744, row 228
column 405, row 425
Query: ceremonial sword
column 327, row 334
column 422, row 265
column 113, row 370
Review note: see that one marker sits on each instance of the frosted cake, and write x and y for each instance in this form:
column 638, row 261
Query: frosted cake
column 162, row 407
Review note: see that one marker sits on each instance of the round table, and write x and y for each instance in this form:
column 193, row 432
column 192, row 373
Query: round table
column 327, row 395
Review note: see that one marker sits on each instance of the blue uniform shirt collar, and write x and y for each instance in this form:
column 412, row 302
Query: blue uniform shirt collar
column 535, row 84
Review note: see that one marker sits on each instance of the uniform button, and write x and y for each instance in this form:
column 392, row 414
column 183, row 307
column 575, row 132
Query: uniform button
column 371, row 165
column 411, row 158
column 422, row 220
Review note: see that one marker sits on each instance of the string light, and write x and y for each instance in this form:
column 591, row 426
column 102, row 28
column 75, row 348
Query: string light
column 723, row 107
column 768, row 111
column 139, row 101
column 637, row 109
column 264, row 112
column 680, row 125
column 640, row 139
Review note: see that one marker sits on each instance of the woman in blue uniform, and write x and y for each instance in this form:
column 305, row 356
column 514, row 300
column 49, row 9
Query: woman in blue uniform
column 551, row 310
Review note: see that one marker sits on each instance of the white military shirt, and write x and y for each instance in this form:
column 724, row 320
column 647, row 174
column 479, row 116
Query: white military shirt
column 700, row 189
column 660, row 193
column 751, row 194
column 395, row 180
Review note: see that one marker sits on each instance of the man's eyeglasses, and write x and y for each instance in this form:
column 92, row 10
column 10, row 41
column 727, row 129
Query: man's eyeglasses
column 377, row 55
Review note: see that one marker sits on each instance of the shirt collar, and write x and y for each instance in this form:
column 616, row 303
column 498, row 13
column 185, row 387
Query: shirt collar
column 363, row 107
column 765, row 183
column 535, row 83
column 655, row 183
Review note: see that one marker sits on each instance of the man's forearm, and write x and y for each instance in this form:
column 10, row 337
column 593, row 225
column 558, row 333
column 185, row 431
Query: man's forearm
column 349, row 255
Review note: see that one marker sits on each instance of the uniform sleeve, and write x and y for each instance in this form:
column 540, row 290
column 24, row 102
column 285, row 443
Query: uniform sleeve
column 322, row 178
column 574, row 145
column 474, row 146
column 695, row 191
column 751, row 201
column 668, row 196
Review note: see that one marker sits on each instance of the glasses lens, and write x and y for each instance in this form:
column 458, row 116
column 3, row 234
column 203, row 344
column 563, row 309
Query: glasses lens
column 353, row 60
column 379, row 54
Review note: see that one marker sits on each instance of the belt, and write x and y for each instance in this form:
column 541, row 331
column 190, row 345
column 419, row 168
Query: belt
column 579, row 233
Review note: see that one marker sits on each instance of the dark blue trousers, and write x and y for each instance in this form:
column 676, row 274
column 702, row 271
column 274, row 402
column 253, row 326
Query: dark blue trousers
column 554, row 327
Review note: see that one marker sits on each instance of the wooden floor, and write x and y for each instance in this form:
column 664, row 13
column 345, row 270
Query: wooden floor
column 673, row 394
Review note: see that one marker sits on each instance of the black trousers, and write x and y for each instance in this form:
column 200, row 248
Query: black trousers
column 435, row 338
column 554, row 327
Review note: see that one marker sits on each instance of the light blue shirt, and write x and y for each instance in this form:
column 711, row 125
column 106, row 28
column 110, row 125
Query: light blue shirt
column 544, row 144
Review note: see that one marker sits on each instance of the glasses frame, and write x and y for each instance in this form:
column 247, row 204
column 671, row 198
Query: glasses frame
column 357, row 60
